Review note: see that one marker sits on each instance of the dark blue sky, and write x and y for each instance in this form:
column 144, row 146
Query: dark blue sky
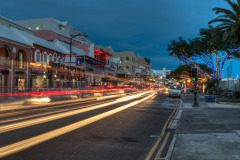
column 145, row 26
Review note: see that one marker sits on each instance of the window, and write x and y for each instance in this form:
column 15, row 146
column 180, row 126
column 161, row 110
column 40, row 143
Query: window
column 61, row 27
column 45, row 58
column 127, row 67
column 127, row 58
column 55, row 58
column 50, row 58
column 37, row 56
column 133, row 59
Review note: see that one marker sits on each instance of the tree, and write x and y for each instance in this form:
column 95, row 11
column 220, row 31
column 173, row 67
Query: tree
column 186, row 69
column 209, row 48
column 228, row 21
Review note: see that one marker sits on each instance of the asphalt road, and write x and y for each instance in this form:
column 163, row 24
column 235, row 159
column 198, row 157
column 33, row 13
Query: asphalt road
column 124, row 130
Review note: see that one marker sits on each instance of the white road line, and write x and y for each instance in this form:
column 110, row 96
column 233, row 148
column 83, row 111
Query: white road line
column 27, row 143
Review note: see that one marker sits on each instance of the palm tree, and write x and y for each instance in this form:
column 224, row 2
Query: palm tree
column 229, row 19
column 179, row 48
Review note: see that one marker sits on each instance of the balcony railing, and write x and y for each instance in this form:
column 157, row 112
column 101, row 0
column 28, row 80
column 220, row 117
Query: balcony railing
column 4, row 61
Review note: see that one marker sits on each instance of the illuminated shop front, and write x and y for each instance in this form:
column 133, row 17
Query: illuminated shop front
column 39, row 78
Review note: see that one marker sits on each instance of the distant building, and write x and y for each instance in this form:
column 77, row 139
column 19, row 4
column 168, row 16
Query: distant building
column 162, row 74
column 128, row 64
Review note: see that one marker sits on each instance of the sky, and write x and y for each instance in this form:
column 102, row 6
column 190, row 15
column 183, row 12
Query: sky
column 144, row 26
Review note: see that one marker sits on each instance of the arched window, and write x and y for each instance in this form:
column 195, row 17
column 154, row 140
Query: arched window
column 50, row 57
column 20, row 59
column 4, row 56
column 55, row 59
column 45, row 58
column 37, row 56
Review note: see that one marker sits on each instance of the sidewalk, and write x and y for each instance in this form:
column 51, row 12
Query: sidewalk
column 208, row 132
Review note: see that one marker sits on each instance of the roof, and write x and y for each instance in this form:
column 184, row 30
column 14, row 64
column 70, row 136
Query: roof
column 9, row 22
column 125, row 53
column 9, row 33
column 66, row 48
column 22, row 37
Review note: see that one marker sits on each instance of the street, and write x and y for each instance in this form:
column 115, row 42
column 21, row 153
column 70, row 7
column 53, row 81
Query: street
column 124, row 127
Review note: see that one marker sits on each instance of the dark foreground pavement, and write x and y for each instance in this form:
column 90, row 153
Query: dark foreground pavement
column 129, row 134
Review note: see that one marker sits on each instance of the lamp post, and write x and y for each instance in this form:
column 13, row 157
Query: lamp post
column 71, row 45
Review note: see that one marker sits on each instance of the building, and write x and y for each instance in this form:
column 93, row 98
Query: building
column 162, row 74
column 133, row 67
column 43, row 54
column 128, row 64
column 82, row 53
column 27, row 61
column 230, row 87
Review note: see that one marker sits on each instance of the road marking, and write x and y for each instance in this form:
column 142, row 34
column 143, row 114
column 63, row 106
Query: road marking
column 156, row 144
column 27, row 143
column 159, row 152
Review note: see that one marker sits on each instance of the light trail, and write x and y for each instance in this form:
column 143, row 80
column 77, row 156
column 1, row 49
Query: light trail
column 30, row 142
column 58, row 111
column 31, row 122
column 53, row 105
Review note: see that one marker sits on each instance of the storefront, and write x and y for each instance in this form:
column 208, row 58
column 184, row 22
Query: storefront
column 39, row 78
column 20, row 80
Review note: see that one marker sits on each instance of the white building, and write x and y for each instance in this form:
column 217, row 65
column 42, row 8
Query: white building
column 162, row 74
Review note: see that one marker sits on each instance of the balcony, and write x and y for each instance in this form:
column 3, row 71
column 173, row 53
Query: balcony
column 20, row 64
column 4, row 62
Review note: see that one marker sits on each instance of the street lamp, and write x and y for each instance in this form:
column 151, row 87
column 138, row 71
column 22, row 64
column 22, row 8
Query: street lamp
column 71, row 43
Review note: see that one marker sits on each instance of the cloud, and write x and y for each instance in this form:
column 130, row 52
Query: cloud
column 145, row 26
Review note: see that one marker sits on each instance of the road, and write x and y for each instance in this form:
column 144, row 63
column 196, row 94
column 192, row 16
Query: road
column 124, row 127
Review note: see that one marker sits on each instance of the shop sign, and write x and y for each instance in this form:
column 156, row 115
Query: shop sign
column 40, row 70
